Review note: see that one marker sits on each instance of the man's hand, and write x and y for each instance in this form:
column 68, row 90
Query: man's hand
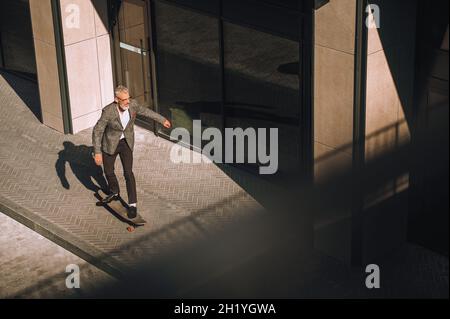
column 98, row 158
column 167, row 124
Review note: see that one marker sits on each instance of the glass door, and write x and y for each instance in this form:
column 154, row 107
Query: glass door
column 132, row 50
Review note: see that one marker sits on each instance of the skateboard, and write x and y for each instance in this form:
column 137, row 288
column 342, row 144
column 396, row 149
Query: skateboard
column 119, row 208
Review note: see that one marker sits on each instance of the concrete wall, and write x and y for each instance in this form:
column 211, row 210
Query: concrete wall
column 88, row 60
column 389, row 120
column 390, row 77
column 46, row 63
column 333, row 116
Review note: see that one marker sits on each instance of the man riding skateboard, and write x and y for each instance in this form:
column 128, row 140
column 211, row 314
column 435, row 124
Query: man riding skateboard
column 114, row 135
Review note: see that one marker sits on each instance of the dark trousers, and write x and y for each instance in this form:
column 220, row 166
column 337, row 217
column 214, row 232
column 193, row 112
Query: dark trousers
column 126, row 157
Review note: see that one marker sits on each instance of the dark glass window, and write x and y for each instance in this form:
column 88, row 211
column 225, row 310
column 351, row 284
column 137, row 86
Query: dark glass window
column 263, row 16
column 256, row 84
column 262, row 87
column 188, row 66
column 209, row 6
column 17, row 47
column 289, row 4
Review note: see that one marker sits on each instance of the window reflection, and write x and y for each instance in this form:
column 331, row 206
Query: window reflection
column 262, row 87
column 17, row 48
column 188, row 66
column 259, row 41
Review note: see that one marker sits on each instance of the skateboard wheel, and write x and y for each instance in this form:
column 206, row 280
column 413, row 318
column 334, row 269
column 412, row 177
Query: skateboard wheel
column 130, row 229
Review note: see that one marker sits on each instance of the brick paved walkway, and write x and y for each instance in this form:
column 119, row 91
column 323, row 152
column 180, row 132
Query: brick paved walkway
column 32, row 266
column 48, row 180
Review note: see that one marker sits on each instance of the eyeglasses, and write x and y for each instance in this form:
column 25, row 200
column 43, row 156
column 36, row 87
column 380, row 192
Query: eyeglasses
column 128, row 98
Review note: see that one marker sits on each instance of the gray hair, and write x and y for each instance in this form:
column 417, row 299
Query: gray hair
column 120, row 89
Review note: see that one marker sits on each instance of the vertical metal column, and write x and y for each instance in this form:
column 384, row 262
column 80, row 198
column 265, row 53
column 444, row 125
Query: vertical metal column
column 359, row 133
column 62, row 70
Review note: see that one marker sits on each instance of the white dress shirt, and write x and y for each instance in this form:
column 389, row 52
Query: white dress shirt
column 124, row 119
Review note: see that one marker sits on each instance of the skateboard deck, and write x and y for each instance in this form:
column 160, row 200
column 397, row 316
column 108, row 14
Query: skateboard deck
column 119, row 208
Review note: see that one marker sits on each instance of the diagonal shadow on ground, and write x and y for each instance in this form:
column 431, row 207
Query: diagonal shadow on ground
column 80, row 161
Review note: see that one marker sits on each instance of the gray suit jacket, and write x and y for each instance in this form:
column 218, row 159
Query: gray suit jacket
column 107, row 131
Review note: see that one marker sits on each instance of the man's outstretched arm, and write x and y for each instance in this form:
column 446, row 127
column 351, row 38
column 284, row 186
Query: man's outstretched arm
column 144, row 111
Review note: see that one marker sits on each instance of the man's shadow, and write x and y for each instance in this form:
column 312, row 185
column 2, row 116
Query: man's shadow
column 82, row 165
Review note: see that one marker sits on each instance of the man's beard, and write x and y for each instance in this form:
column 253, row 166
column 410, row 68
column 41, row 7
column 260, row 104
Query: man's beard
column 124, row 108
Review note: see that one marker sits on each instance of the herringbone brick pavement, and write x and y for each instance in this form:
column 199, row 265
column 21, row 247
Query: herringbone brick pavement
column 47, row 181
column 52, row 177
column 32, row 266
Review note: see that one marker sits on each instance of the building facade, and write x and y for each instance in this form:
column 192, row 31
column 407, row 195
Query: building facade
column 337, row 78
